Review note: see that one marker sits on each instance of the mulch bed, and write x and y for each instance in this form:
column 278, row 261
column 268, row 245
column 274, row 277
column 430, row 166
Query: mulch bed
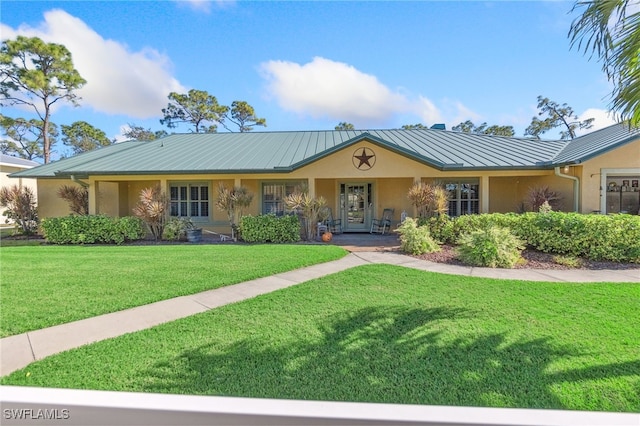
column 533, row 260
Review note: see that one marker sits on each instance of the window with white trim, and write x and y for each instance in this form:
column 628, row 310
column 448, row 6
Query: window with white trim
column 464, row 197
column 273, row 195
column 189, row 200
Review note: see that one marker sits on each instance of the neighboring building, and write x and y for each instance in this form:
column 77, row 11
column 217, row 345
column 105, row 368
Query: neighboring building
column 9, row 165
column 360, row 173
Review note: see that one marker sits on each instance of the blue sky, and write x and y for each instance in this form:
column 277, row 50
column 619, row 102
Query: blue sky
column 311, row 65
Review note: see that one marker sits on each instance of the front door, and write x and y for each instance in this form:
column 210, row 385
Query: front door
column 356, row 200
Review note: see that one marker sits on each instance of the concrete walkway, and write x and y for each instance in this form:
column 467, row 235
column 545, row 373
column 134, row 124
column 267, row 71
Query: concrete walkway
column 20, row 350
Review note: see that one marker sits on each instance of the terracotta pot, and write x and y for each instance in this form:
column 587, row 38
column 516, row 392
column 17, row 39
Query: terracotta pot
column 327, row 236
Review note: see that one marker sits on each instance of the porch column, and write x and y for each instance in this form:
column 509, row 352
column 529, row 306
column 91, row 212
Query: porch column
column 94, row 187
column 312, row 187
column 237, row 182
column 164, row 186
column 484, row 194
column 414, row 213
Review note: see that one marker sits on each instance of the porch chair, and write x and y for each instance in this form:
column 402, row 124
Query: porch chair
column 334, row 225
column 383, row 224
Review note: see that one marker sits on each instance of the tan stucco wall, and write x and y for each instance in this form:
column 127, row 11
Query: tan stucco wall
column 109, row 198
column 625, row 157
column 510, row 194
column 49, row 204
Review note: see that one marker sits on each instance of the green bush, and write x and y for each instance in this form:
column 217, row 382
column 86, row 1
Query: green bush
column 494, row 246
column 270, row 228
column 92, row 229
column 440, row 228
column 176, row 228
column 416, row 239
column 595, row 237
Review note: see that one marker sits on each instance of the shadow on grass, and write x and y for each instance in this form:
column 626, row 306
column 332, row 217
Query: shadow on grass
column 389, row 355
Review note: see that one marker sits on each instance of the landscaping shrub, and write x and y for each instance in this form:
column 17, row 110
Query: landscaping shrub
column 468, row 223
column 416, row 239
column 92, row 229
column 232, row 201
column 312, row 210
column 270, row 228
column 77, row 197
column 539, row 195
column 429, row 198
column 176, row 228
column 152, row 209
column 440, row 228
column 20, row 206
column 595, row 237
column 495, row 247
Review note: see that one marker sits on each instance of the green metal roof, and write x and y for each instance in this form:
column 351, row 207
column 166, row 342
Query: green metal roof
column 269, row 152
column 590, row 145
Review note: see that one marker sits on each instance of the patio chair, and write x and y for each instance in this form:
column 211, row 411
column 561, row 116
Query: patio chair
column 383, row 224
column 334, row 225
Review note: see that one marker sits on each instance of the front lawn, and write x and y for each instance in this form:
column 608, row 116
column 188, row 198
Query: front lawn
column 380, row 333
column 49, row 285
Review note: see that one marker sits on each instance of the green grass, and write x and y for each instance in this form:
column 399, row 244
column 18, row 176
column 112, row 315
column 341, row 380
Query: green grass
column 49, row 285
column 380, row 333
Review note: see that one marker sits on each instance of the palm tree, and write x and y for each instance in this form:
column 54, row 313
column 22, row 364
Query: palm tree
column 610, row 29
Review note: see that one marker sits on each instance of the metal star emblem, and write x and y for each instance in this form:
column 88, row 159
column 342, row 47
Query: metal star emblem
column 364, row 159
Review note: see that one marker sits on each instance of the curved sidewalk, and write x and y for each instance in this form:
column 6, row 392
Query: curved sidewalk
column 20, row 350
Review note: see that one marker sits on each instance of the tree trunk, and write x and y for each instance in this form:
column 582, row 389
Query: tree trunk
column 46, row 142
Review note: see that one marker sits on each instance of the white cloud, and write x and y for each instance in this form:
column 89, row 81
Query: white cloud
column 603, row 118
column 324, row 88
column 119, row 81
column 204, row 5
column 428, row 112
column 462, row 114
column 197, row 5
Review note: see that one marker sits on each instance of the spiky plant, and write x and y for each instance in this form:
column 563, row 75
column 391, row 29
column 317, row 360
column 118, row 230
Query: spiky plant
column 538, row 195
column 152, row 209
column 77, row 197
column 233, row 201
column 20, row 206
column 313, row 210
column 430, row 199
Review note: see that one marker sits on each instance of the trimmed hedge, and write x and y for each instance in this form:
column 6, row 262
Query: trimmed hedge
column 92, row 229
column 270, row 228
column 592, row 236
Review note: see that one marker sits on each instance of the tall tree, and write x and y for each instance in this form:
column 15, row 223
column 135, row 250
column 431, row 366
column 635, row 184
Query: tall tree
column 197, row 108
column 469, row 127
column 38, row 74
column 82, row 137
column 139, row 133
column 414, row 126
column 556, row 116
column 610, row 30
column 244, row 116
column 343, row 125
column 24, row 137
